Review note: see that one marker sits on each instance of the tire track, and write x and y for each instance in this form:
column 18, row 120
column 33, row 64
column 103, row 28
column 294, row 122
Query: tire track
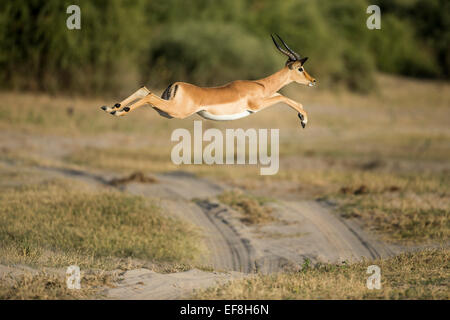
column 239, row 248
column 306, row 229
column 317, row 233
column 303, row 230
column 179, row 193
column 325, row 237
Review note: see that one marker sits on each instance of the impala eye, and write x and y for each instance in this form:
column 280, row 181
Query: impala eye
column 300, row 69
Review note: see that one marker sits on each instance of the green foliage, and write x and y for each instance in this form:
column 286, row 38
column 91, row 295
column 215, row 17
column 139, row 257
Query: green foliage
column 414, row 38
column 37, row 51
column 219, row 52
column 123, row 44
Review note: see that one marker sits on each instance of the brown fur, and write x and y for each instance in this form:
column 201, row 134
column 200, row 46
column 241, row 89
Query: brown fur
column 182, row 99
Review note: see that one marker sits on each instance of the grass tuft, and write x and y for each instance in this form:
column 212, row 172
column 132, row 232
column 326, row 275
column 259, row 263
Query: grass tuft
column 252, row 208
column 58, row 224
column 52, row 286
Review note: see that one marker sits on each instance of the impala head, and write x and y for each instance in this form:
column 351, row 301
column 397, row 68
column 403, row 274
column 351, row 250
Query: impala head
column 295, row 64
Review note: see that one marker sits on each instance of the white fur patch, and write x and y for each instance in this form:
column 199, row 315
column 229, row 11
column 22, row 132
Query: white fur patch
column 142, row 92
column 224, row 117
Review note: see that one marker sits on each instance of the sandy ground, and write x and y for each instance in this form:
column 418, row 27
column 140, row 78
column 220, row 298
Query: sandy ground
column 303, row 229
column 140, row 284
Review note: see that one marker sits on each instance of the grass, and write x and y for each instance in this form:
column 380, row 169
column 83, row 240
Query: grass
column 422, row 216
column 59, row 223
column 399, row 206
column 396, row 137
column 50, row 286
column 380, row 158
column 418, row 275
column 394, row 142
column 48, row 224
column 123, row 160
column 252, row 208
column 61, row 115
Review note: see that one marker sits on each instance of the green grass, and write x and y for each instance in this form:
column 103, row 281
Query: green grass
column 419, row 275
column 59, row 223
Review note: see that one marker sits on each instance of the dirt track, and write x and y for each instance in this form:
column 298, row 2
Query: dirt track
column 303, row 230
column 306, row 229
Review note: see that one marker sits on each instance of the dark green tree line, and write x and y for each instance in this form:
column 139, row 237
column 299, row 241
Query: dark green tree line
column 123, row 43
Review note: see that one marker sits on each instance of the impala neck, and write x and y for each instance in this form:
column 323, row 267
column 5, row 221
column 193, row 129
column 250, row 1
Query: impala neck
column 276, row 81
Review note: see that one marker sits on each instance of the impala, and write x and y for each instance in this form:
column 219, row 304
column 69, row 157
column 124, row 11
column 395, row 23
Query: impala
column 232, row 101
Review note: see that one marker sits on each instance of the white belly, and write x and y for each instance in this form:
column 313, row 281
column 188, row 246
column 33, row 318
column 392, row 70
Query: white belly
column 224, row 117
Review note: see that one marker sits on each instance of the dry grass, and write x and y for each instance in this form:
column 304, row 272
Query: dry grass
column 252, row 208
column 52, row 286
column 381, row 158
column 62, row 115
column 408, row 207
column 123, row 159
column 59, row 223
column 48, row 223
column 406, row 216
column 395, row 137
column 419, row 275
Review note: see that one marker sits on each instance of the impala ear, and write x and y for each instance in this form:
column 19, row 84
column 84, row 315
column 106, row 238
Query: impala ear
column 303, row 60
column 289, row 64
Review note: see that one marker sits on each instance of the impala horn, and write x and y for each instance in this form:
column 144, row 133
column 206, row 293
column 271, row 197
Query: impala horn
column 289, row 53
column 293, row 56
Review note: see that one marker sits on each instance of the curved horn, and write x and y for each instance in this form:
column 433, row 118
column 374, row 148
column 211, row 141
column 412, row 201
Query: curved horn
column 288, row 53
column 295, row 54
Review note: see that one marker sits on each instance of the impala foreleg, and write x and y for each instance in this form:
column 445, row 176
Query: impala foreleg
column 139, row 94
column 277, row 98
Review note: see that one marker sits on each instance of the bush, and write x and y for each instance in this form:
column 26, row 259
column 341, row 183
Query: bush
column 122, row 44
column 208, row 54
column 38, row 52
column 396, row 51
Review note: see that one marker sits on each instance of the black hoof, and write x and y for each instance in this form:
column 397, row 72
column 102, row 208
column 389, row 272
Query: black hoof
column 301, row 120
column 113, row 112
column 126, row 109
column 104, row 108
column 117, row 105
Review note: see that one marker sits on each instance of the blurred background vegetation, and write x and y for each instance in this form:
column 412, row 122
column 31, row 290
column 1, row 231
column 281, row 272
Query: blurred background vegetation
column 123, row 44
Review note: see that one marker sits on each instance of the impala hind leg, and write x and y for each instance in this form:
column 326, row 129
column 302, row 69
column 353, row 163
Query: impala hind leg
column 169, row 107
column 139, row 94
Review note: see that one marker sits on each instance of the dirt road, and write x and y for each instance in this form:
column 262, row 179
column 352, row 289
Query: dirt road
column 302, row 230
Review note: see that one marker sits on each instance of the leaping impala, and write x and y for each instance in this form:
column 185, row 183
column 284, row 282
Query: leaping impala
column 232, row 101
